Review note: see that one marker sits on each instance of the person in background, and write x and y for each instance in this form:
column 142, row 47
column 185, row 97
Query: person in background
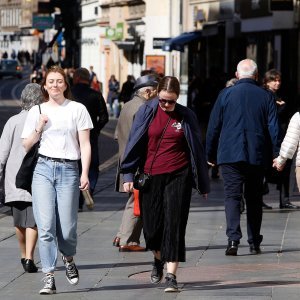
column 128, row 237
column 165, row 142
column 243, row 119
column 127, row 89
column 96, row 106
column 289, row 146
column 11, row 156
column 64, row 129
column 272, row 82
column 113, row 92
column 92, row 73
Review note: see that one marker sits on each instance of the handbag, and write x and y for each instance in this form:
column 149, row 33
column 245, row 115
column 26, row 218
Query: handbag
column 141, row 181
column 25, row 173
column 136, row 203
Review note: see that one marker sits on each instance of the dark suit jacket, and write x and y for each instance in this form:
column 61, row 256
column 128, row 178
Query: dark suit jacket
column 95, row 104
column 242, row 122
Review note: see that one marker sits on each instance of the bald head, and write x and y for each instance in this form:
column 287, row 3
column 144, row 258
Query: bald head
column 246, row 68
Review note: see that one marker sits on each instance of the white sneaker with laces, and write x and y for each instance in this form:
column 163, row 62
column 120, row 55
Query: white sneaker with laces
column 71, row 271
column 49, row 287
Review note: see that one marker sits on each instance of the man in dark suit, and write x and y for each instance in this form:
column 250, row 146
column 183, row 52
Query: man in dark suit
column 96, row 106
column 242, row 122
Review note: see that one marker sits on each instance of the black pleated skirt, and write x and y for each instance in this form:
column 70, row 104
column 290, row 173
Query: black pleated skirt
column 165, row 209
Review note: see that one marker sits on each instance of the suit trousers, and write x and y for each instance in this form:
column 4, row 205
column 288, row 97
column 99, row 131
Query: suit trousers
column 242, row 178
column 131, row 226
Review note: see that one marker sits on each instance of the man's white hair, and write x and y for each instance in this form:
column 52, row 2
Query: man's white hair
column 246, row 68
column 143, row 90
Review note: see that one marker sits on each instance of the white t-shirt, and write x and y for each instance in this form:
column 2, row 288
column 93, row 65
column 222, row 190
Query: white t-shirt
column 60, row 134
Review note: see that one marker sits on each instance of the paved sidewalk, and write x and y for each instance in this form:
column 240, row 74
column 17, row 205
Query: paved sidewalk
column 106, row 273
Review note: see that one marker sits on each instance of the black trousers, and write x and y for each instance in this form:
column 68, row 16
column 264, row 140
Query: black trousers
column 242, row 178
column 165, row 209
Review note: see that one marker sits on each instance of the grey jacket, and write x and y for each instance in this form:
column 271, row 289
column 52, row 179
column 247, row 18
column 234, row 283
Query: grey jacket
column 122, row 132
column 11, row 156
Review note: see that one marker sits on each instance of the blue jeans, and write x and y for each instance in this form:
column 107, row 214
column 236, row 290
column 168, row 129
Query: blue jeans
column 55, row 193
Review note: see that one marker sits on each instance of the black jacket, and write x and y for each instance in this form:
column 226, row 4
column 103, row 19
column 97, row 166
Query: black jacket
column 94, row 103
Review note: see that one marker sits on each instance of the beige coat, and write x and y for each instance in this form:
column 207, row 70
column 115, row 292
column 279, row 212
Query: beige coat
column 11, row 156
column 122, row 132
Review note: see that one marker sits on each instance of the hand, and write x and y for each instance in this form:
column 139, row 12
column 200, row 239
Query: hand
column 42, row 122
column 128, row 187
column 277, row 166
column 84, row 183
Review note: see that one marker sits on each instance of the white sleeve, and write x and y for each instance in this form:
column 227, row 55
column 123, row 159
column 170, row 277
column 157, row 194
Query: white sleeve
column 291, row 139
column 84, row 120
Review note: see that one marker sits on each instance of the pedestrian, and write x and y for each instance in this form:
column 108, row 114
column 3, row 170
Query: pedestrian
column 128, row 237
column 11, row 156
column 63, row 127
column 165, row 142
column 290, row 144
column 96, row 106
column 272, row 82
column 127, row 89
column 242, row 120
column 113, row 93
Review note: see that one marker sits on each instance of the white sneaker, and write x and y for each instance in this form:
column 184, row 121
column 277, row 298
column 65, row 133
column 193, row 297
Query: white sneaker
column 49, row 287
column 71, row 271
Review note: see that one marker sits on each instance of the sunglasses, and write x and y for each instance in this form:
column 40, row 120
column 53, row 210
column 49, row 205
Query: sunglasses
column 164, row 101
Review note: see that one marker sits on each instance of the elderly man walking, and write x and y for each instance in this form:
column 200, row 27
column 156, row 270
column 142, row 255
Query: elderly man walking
column 242, row 125
column 128, row 237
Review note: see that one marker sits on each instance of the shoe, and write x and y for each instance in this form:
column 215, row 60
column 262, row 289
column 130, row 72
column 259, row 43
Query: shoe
column 49, row 287
column 171, row 283
column 232, row 248
column 71, row 271
column 157, row 271
column 266, row 206
column 131, row 248
column 80, row 209
column 289, row 205
column 30, row 267
column 23, row 260
column 116, row 242
column 254, row 249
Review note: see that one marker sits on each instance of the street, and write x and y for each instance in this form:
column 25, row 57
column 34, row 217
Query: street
column 106, row 273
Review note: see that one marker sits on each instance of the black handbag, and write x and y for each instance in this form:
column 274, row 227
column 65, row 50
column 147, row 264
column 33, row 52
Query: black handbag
column 141, row 181
column 25, row 173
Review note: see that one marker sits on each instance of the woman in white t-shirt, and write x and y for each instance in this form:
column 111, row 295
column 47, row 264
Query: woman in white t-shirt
column 63, row 127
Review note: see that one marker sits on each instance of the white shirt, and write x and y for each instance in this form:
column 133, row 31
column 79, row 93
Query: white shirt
column 60, row 134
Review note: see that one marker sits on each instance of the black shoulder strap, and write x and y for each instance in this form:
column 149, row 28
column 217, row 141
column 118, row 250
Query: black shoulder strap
column 40, row 109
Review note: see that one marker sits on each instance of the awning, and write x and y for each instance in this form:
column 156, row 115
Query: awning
column 126, row 45
column 177, row 43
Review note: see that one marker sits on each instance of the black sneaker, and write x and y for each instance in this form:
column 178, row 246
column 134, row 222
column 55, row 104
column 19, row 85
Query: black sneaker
column 171, row 283
column 23, row 260
column 71, row 271
column 157, row 271
column 49, row 287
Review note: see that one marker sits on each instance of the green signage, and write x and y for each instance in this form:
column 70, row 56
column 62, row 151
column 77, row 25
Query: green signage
column 115, row 34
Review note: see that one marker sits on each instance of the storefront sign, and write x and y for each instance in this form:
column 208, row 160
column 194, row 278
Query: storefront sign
column 42, row 22
column 158, row 42
column 115, row 34
column 282, row 5
column 156, row 63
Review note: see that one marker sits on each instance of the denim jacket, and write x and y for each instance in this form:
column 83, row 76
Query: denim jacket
column 135, row 151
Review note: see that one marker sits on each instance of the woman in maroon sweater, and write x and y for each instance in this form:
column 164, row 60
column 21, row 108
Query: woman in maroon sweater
column 169, row 160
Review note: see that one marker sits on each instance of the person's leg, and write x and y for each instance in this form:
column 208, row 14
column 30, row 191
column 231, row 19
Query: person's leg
column 67, row 183
column 44, row 208
column 131, row 226
column 94, row 166
column 21, row 236
column 233, row 179
column 253, row 196
column 31, row 239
